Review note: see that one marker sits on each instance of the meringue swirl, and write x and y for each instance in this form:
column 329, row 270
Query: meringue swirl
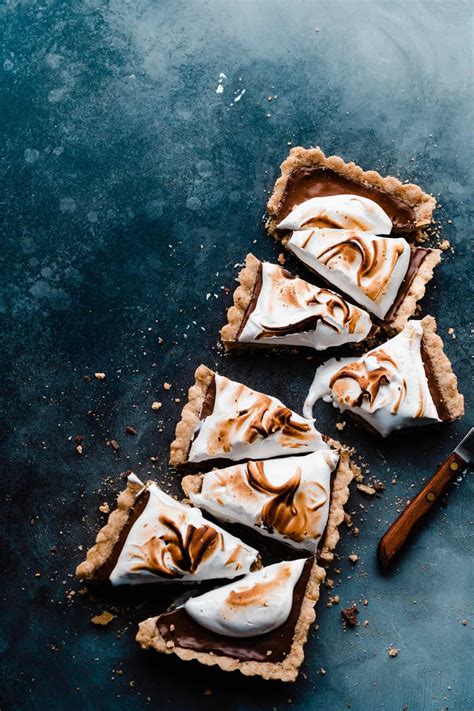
column 244, row 423
column 350, row 212
column 172, row 541
column 287, row 498
column 387, row 387
column 291, row 311
column 368, row 268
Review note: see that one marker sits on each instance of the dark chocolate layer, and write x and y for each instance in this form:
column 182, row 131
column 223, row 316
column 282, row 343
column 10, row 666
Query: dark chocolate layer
column 307, row 183
column 104, row 572
column 189, row 634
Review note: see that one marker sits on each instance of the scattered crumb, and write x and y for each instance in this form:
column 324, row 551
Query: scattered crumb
column 356, row 532
column 79, row 449
column 281, row 258
column 104, row 619
column 348, row 520
column 365, row 602
column 105, row 508
column 100, row 376
column 130, row 430
column 392, row 652
column 155, row 405
column 340, row 425
column 113, row 443
column 366, row 623
column 167, row 386
column 464, row 622
column 322, row 671
column 367, row 490
column 349, row 615
column 445, row 245
column 353, row 558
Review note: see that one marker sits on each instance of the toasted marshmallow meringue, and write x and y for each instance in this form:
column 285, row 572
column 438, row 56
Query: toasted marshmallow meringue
column 350, row 212
column 257, row 604
column 290, row 311
column 287, row 498
column 387, row 386
column 368, row 268
column 171, row 541
column 247, row 424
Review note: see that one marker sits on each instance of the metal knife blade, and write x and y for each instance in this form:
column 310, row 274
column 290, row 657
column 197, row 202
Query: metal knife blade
column 465, row 448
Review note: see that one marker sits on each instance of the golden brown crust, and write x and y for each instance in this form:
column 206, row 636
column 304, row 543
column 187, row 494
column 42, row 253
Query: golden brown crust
column 149, row 637
column 190, row 415
column 446, row 381
column 422, row 203
column 247, row 278
column 109, row 534
column 417, row 290
column 345, row 472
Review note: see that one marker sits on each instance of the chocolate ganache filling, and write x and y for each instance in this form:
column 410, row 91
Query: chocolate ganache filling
column 183, row 631
column 307, row 183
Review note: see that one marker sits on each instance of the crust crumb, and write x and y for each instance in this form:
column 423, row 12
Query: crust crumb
column 392, row 652
column 103, row 619
column 100, row 376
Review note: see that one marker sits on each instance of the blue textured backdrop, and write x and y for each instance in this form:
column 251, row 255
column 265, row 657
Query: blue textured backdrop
column 131, row 189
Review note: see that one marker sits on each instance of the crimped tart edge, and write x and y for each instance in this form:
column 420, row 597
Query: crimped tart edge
column 179, row 448
column 446, row 380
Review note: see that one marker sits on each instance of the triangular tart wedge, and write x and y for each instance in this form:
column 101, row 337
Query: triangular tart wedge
column 384, row 275
column 296, row 500
column 225, row 420
column 257, row 625
column 308, row 174
column 151, row 538
column 273, row 308
column 407, row 381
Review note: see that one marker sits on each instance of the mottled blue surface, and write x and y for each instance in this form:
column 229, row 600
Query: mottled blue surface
column 131, row 188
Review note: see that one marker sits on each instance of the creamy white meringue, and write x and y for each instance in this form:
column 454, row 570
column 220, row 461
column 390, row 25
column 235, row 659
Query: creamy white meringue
column 171, row 541
column 351, row 212
column 387, row 386
column 287, row 498
column 368, row 268
column 292, row 312
column 257, row 604
column 247, row 424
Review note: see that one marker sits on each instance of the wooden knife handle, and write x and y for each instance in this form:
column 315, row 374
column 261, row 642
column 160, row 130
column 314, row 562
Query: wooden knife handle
column 399, row 532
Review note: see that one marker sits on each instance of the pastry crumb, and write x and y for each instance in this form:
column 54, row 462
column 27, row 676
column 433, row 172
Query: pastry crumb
column 353, row 558
column 367, row 490
column 340, row 425
column 349, row 615
column 104, row 508
column 103, row 619
column 100, row 376
column 155, row 405
column 445, row 245
column 392, row 652
column 281, row 258
column 167, row 386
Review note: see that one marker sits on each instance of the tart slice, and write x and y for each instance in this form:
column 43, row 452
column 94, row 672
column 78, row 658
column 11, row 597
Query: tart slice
column 274, row 308
column 297, row 500
column 258, row 625
column 225, row 420
column 405, row 382
column 385, row 275
column 152, row 538
column 308, row 174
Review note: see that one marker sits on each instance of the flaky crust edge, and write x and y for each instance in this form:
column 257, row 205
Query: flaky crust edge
column 109, row 534
column 345, row 472
column 179, row 448
column 148, row 637
column 417, row 290
column 422, row 203
column 247, row 278
column 446, row 380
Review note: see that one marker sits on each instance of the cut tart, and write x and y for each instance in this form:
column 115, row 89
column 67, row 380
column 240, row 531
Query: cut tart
column 225, row 420
column 274, row 308
column 150, row 537
column 297, row 500
column 258, row 625
column 385, row 275
column 308, row 174
column 405, row 382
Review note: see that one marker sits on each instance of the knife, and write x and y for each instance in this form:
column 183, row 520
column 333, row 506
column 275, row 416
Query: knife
column 401, row 530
